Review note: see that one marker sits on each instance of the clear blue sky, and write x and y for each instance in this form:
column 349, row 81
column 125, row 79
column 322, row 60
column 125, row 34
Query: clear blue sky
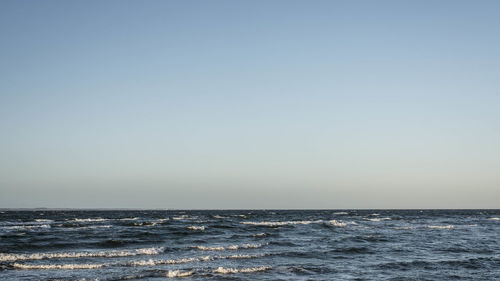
column 250, row 104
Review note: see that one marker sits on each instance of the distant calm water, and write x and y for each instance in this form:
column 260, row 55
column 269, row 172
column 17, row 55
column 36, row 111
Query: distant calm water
column 250, row 245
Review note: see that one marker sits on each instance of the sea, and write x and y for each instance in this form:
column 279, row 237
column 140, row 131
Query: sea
column 250, row 244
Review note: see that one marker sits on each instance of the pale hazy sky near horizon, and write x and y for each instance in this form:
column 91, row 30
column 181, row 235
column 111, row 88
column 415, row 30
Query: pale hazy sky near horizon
column 250, row 104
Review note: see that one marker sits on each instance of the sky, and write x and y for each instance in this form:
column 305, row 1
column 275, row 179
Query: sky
column 249, row 104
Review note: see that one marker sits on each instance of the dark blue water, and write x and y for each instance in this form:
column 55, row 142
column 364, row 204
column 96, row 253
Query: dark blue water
column 250, row 245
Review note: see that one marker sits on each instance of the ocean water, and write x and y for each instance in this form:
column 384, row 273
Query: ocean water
column 250, row 245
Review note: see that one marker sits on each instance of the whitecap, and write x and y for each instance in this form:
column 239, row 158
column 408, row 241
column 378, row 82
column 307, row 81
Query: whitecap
column 337, row 223
column 230, row 247
column 152, row 262
column 340, row 213
column 279, row 223
column 378, row 219
column 198, row 228
column 495, row 219
column 178, row 273
column 101, row 254
column 88, row 220
column 228, row 270
column 440, row 226
column 44, row 220
column 27, row 227
column 58, row 266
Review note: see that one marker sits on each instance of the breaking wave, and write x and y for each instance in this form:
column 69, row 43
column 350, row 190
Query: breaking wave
column 230, row 247
column 61, row 255
column 199, row 228
column 229, row 270
column 178, row 273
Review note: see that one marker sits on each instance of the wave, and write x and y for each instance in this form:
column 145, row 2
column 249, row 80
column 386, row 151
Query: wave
column 340, row 213
column 88, row 220
column 440, row 226
column 183, row 217
column 279, row 223
column 58, row 266
column 230, row 247
column 44, row 220
column 178, row 273
column 404, row 227
column 338, row 223
column 101, row 254
column 378, row 219
column 26, row 227
column 229, row 270
column 495, row 219
column 129, row 219
column 152, row 262
column 199, row 228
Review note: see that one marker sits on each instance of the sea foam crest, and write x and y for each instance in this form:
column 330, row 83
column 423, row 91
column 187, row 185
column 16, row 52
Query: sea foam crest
column 178, row 273
column 58, row 266
column 194, row 227
column 378, row 219
column 27, row 227
column 57, row 255
column 337, row 223
column 441, row 226
column 228, row 270
column 495, row 219
column 152, row 262
column 88, row 220
column 44, row 220
column 279, row 223
column 230, row 247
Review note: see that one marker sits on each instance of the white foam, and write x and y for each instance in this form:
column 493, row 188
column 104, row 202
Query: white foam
column 378, row 219
column 230, row 247
column 337, row 223
column 44, row 220
column 27, row 227
column 218, row 217
column 199, row 228
column 441, row 226
column 229, row 270
column 58, row 266
column 60, row 255
column 340, row 213
column 88, row 220
column 152, row 262
column 260, row 235
column 279, row 223
column 178, row 273
column 495, row 219
column 240, row 257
